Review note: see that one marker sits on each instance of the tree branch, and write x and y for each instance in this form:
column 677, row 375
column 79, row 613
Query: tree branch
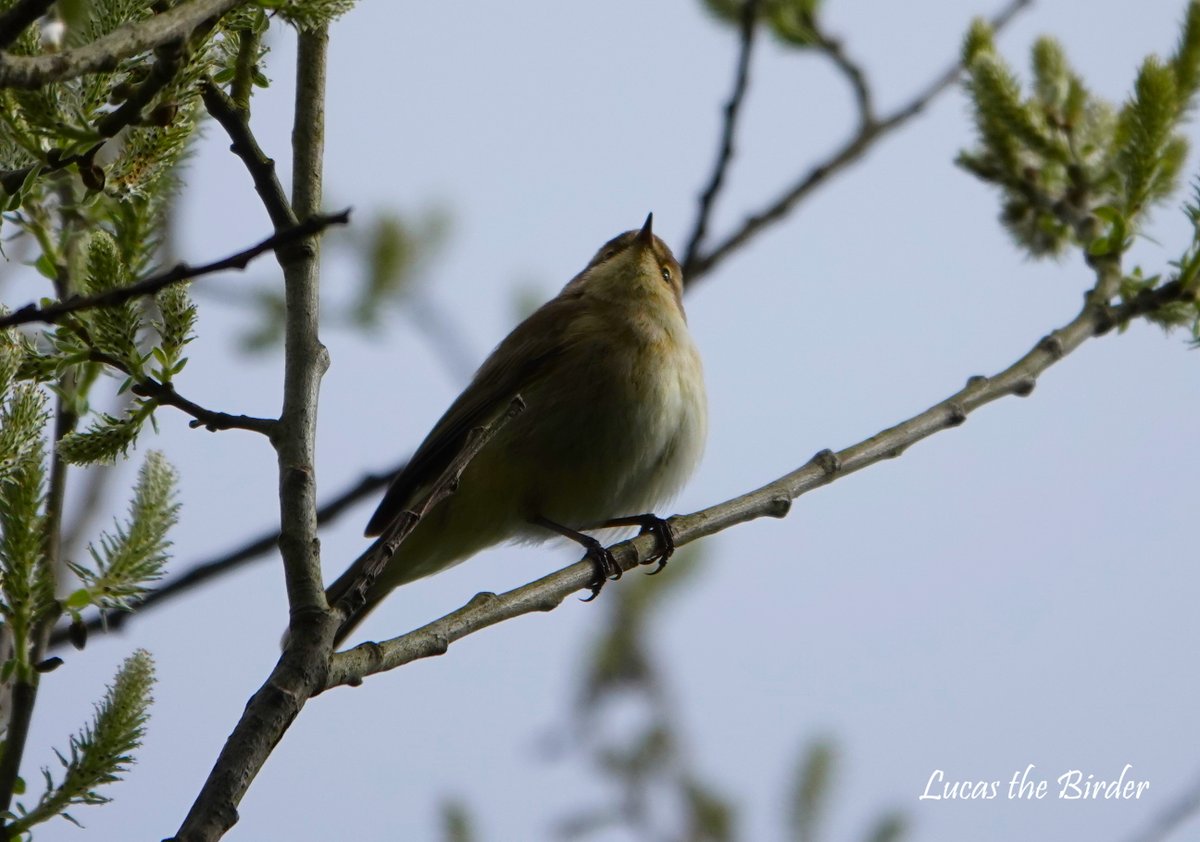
column 771, row 500
column 106, row 52
column 262, row 169
column 302, row 666
column 181, row 272
column 733, row 107
column 833, row 48
column 211, row 420
column 868, row 134
column 294, row 680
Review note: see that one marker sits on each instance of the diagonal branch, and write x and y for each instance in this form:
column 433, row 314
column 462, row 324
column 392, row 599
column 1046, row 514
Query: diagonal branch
column 771, row 500
column 107, row 51
column 733, row 107
column 236, row 123
column 868, row 134
column 181, row 272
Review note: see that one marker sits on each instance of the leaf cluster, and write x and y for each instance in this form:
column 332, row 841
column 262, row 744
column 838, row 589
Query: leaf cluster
column 101, row 752
column 308, row 14
column 1059, row 153
column 26, row 574
column 1074, row 170
column 794, row 23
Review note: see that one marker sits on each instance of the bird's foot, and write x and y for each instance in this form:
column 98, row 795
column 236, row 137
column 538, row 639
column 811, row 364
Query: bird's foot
column 604, row 563
column 653, row 525
column 605, row 566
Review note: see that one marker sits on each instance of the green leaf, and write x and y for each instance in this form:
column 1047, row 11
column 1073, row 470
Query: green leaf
column 103, row 749
column 45, row 267
column 78, row 599
column 1147, row 157
column 101, row 444
column 1185, row 64
column 132, row 556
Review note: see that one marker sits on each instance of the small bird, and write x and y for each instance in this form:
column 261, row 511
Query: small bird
column 614, row 422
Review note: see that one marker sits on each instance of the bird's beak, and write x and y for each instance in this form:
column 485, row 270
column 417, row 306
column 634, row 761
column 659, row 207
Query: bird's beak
column 646, row 235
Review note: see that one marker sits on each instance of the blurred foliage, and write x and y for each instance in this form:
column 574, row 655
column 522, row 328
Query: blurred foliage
column 389, row 255
column 308, row 14
column 660, row 795
column 456, row 823
column 792, row 22
column 1076, row 171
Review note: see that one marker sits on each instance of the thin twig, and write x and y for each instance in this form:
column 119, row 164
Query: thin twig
column 164, row 393
column 833, row 48
column 771, row 500
column 262, row 169
column 1165, row 823
column 51, row 313
column 212, row 420
column 853, row 149
column 106, row 52
column 725, row 153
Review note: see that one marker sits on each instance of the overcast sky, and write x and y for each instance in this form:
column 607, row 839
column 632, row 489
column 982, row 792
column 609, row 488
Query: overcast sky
column 1017, row 591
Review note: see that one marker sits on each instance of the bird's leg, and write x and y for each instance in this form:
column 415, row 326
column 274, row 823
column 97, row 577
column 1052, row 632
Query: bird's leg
column 656, row 526
column 606, row 566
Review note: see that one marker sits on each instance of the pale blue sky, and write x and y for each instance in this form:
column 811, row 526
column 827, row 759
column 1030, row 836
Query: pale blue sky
column 1020, row 590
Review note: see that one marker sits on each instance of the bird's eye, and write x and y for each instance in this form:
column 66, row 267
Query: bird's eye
column 608, row 255
column 666, row 274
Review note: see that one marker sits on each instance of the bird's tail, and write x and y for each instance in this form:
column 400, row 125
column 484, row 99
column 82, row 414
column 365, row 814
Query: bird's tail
column 361, row 604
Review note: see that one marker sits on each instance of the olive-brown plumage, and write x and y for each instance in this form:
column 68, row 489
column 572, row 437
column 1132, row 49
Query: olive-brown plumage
column 615, row 420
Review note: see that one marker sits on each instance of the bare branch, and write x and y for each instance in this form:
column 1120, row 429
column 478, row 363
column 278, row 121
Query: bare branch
column 725, row 153
column 262, row 169
column 300, row 673
column 181, row 272
column 868, row 134
column 771, row 500
column 833, row 48
column 164, row 393
column 310, row 633
column 104, row 54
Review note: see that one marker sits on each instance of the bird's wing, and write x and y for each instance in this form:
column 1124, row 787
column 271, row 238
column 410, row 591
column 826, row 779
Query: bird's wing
column 520, row 359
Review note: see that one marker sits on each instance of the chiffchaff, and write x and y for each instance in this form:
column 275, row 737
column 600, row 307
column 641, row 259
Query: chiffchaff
column 615, row 421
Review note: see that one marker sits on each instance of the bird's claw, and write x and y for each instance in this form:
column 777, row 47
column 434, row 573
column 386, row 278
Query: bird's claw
column 605, row 567
column 660, row 529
